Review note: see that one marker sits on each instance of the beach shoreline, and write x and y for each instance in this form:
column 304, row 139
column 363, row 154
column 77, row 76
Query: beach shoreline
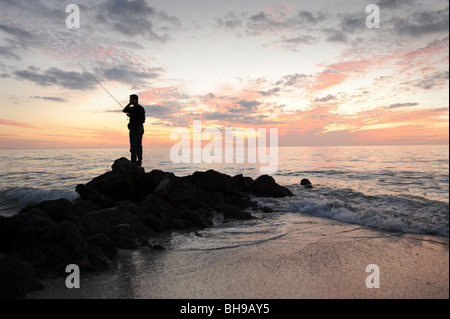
column 317, row 258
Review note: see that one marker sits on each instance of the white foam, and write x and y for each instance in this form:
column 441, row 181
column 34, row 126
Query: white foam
column 13, row 199
column 409, row 214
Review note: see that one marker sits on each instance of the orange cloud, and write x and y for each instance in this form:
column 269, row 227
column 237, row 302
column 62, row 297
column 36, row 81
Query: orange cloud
column 14, row 123
column 430, row 50
column 337, row 73
column 409, row 134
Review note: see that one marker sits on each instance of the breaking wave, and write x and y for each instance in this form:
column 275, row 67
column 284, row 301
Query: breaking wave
column 400, row 213
column 14, row 199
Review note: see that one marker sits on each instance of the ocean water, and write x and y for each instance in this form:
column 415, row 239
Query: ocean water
column 392, row 188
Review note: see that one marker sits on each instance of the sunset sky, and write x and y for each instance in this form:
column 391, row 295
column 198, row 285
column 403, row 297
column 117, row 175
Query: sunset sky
column 312, row 69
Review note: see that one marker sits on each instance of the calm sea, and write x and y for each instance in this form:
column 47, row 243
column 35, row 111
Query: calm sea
column 393, row 188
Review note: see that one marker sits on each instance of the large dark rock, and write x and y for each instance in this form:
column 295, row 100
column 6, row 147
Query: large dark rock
column 105, row 244
column 34, row 217
column 116, row 185
column 56, row 209
column 165, row 186
column 17, row 278
column 123, row 236
column 241, row 183
column 66, row 234
column 121, row 183
column 211, row 198
column 306, row 183
column 82, row 207
column 104, row 220
column 193, row 204
column 63, row 245
column 155, row 212
column 32, row 224
column 127, row 205
column 91, row 194
column 198, row 218
column 8, row 233
column 125, row 166
column 240, row 200
column 180, row 224
column 51, row 260
column 213, row 181
column 266, row 186
column 150, row 181
column 232, row 212
column 182, row 192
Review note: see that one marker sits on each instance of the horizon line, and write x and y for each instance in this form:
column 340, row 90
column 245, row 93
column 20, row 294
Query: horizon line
column 168, row 147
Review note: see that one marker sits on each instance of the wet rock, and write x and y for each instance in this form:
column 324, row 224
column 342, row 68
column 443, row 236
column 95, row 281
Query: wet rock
column 31, row 225
column 82, row 207
column 182, row 192
column 165, row 186
column 155, row 212
column 56, row 209
column 213, row 181
column 266, row 186
column 63, row 245
column 124, row 237
column 306, row 183
column 232, row 212
column 127, row 205
column 125, row 166
column 89, row 193
column 241, row 183
column 193, row 204
column 105, row 244
column 240, row 200
column 116, row 185
column 150, row 181
column 17, row 278
column 197, row 218
column 8, row 233
column 121, row 183
column 211, row 198
column 180, row 224
column 34, row 217
column 104, row 220
column 266, row 210
column 157, row 246
column 98, row 260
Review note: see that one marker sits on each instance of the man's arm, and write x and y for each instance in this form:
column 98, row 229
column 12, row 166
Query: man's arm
column 127, row 108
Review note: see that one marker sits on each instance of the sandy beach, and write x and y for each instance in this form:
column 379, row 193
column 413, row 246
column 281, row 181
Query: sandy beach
column 313, row 258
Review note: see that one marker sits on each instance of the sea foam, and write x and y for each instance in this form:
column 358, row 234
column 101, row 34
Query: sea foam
column 398, row 213
column 15, row 198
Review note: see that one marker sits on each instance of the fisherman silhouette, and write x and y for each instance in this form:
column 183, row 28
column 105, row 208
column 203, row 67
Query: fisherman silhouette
column 136, row 114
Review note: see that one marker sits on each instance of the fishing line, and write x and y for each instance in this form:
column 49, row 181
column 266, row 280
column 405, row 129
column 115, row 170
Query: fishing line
column 99, row 84
column 89, row 73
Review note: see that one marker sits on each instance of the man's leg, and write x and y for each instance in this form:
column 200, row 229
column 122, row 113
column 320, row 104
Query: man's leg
column 133, row 137
column 140, row 133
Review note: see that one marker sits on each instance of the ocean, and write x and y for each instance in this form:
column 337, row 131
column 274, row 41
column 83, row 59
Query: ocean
column 401, row 189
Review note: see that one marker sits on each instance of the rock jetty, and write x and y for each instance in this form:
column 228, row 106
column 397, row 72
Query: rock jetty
column 121, row 209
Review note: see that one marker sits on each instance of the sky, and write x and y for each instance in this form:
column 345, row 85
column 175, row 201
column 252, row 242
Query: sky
column 312, row 69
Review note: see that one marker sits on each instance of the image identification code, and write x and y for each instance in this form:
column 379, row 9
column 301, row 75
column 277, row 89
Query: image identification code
column 227, row 309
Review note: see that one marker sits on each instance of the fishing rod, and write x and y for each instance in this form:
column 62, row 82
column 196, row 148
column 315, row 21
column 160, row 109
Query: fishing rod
column 100, row 84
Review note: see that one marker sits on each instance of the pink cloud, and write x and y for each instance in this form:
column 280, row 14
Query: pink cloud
column 430, row 50
column 337, row 73
column 15, row 123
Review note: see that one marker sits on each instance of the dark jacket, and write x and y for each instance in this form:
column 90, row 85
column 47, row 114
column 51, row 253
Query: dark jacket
column 136, row 114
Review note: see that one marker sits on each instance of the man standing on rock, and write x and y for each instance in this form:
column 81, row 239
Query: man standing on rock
column 136, row 113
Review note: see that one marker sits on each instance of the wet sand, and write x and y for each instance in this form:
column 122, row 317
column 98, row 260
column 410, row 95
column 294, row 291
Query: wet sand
column 316, row 258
